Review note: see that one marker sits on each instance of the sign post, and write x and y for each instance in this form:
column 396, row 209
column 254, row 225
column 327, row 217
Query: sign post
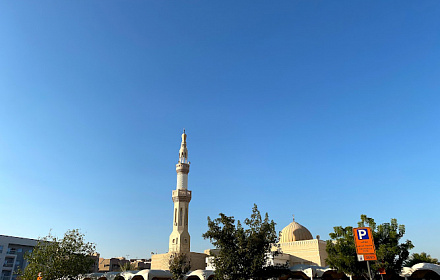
column 382, row 272
column 365, row 250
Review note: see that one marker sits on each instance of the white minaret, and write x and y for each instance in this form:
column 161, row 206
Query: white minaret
column 179, row 238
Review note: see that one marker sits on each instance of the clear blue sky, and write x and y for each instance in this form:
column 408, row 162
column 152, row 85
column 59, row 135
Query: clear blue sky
column 322, row 109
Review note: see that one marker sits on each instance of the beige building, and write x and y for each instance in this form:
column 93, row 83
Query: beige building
column 140, row 264
column 112, row 264
column 297, row 245
column 297, row 242
column 116, row 264
column 180, row 241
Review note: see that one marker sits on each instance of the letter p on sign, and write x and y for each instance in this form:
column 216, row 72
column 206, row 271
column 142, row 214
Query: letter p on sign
column 362, row 234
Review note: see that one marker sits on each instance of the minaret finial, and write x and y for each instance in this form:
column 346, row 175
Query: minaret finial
column 293, row 217
column 183, row 152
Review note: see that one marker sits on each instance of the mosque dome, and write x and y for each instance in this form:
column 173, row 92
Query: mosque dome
column 294, row 232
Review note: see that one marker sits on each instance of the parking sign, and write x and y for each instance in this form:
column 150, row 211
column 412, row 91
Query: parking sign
column 363, row 239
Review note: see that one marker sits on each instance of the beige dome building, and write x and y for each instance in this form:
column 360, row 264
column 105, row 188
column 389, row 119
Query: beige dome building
column 294, row 232
column 297, row 242
column 296, row 245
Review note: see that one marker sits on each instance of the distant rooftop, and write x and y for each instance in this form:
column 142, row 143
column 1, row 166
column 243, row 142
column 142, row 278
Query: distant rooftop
column 1, row 235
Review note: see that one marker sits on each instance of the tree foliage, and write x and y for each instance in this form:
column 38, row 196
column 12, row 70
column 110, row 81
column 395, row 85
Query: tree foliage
column 391, row 254
column 56, row 258
column 179, row 265
column 416, row 258
column 242, row 252
column 127, row 266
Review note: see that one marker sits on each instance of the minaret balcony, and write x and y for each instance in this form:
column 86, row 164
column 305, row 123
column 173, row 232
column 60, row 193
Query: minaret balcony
column 181, row 195
column 182, row 167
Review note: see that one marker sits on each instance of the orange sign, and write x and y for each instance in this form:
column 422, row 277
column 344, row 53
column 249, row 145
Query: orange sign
column 363, row 239
column 370, row 257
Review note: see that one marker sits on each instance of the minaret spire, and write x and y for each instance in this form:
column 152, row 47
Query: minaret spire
column 180, row 238
column 183, row 152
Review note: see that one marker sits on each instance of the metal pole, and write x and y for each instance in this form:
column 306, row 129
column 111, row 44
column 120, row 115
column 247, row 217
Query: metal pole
column 369, row 273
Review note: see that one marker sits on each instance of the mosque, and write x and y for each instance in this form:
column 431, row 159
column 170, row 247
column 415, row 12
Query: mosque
column 297, row 243
column 296, row 246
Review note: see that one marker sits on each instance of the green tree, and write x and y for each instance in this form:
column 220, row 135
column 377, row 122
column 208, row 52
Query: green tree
column 179, row 265
column 56, row 258
column 242, row 252
column 391, row 254
column 127, row 266
column 416, row 258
